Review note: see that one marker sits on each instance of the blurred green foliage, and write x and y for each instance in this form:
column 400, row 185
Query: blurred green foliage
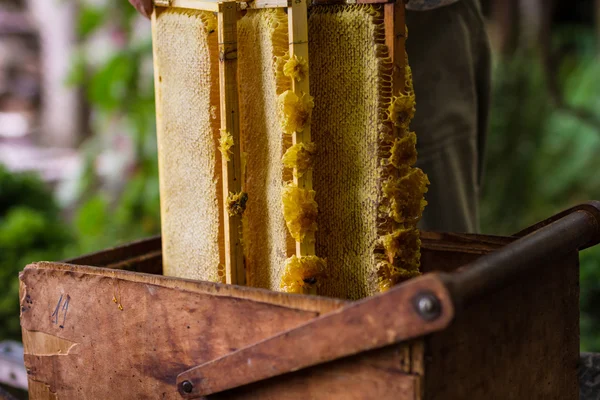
column 120, row 92
column 543, row 154
column 31, row 229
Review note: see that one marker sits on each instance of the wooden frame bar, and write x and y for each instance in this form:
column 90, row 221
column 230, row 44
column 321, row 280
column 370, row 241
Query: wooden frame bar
column 232, row 171
column 395, row 39
column 267, row 3
column 205, row 5
column 298, row 38
column 350, row 2
column 213, row 5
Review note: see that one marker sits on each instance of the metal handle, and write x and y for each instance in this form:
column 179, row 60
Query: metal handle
column 567, row 232
column 415, row 308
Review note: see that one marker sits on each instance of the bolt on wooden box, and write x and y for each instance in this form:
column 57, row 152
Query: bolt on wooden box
column 492, row 318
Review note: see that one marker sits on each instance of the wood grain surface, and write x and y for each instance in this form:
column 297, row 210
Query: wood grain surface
column 92, row 333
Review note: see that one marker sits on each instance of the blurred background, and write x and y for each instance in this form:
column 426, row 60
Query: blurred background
column 78, row 163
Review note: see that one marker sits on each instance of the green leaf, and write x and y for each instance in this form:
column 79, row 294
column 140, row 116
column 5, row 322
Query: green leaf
column 77, row 73
column 92, row 217
column 90, row 19
column 108, row 87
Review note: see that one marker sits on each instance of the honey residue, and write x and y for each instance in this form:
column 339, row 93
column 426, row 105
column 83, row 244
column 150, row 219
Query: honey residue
column 225, row 144
column 406, row 196
column 302, row 273
column 402, row 109
column 404, row 152
column 299, row 211
column 210, row 23
column 294, row 111
column 299, row 157
column 236, row 203
column 402, row 248
column 389, row 275
column 296, row 68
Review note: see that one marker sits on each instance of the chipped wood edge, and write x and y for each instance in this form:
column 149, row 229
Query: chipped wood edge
column 40, row 391
column 31, row 343
column 230, row 123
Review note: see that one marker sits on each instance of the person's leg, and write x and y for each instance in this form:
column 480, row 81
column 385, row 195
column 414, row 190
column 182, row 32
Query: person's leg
column 449, row 55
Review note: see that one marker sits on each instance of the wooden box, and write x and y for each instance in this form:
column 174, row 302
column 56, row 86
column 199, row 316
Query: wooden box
column 492, row 318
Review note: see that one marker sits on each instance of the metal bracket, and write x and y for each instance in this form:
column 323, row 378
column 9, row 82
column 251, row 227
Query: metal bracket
column 365, row 325
column 385, row 319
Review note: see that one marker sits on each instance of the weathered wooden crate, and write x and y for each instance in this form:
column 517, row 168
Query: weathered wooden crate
column 492, row 318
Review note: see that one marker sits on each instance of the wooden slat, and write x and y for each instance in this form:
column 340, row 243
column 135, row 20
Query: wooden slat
column 215, row 5
column 150, row 263
column 232, row 171
column 348, row 2
column 459, row 243
column 395, row 39
column 370, row 375
column 204, row 5
column 267, row 4
column 377, row 1
column 142, row 247
column 140, row 256
column 298, row 37
column 119, row 253
column 208, row 5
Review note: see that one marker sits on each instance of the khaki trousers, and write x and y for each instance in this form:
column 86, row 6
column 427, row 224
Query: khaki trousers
column 449, row 54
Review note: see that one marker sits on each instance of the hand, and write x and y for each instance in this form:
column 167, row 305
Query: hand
column 143, row 6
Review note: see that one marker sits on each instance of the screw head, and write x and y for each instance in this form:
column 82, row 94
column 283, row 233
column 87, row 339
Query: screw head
column 427, row 306
column 187, row 386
